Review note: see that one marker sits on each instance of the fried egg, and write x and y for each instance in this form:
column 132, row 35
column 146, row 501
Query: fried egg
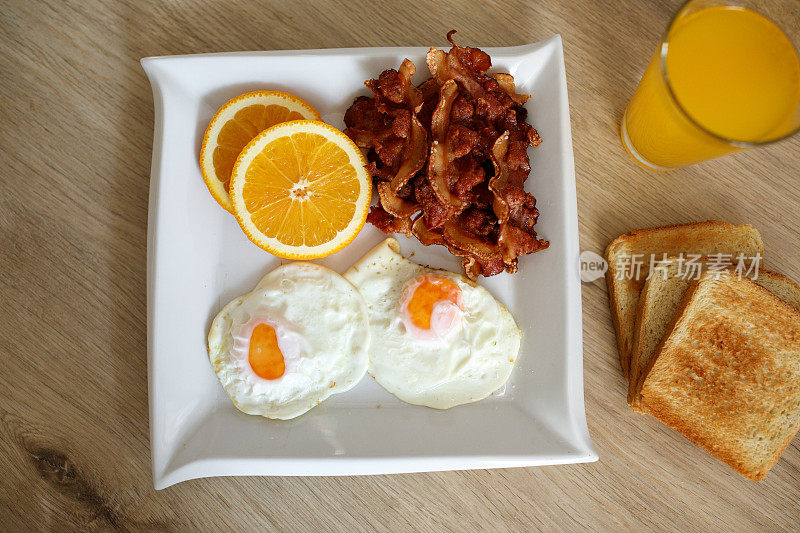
column 438, row 339
column 301, row 335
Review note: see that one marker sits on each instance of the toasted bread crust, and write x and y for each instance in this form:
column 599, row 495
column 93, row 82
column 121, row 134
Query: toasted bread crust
column 616, row 319
column 643, row 307
column 646, row 319
column 781, row 286
column 726, row 375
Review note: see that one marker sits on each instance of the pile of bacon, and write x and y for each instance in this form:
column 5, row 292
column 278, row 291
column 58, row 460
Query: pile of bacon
column 449, row 158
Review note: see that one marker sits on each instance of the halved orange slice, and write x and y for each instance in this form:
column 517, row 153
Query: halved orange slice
column 300, row 190
column 236, row 124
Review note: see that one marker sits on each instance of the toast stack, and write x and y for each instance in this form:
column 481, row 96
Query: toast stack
column 714, row 355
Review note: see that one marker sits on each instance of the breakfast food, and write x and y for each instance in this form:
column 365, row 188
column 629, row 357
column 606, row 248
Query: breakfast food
column 301, row 335
column 659, row 303
column 727, row 373
column 712, row 353
column 449, row 158
column 299, row 190
column 236, row 124
column 702, row 238
column 438, row 339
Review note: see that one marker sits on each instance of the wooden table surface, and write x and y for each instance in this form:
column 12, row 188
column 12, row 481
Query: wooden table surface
column 76, row 129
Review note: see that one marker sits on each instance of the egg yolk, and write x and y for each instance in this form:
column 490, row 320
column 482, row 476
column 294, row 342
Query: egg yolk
column 266, row 358
column 427, row 294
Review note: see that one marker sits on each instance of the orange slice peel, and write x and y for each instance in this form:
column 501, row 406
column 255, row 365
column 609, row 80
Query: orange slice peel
column 235, row 124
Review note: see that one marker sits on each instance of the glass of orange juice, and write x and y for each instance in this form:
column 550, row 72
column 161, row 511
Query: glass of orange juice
column 726, row 77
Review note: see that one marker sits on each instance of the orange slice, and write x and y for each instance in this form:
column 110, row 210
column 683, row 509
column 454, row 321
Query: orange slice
column 236, row 124
column 300, row 191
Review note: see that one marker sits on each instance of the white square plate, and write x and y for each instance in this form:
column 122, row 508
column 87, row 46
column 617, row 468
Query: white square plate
column 199, row 259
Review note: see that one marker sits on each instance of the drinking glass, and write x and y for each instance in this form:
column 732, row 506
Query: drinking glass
column 725, row 77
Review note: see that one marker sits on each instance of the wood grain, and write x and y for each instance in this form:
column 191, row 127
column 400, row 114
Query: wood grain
column 75, row 143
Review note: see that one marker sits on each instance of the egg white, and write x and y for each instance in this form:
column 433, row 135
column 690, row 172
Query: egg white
column 466, row 367
column 322, row 328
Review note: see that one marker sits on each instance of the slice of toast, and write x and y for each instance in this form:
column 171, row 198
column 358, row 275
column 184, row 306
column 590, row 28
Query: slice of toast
column 660, row 299
column 699, row 238
column 655, row 310
column 727, row 376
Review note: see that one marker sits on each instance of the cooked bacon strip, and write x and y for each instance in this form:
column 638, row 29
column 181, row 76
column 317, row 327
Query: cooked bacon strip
column 395, row 205
column 436, row 60
column 499, row 182
column 429, row 88
column 439, row 160
column 474, row 267
column 475, row 60
column 434, row 212
column 515, row 242
column 446, row 66
column 388, row 223
column 471, row 267
column 390, row 151
column 495, row 266
column 455, row 234
column 380, row 174
column 426, row 236
column 379, row 218
column 365, row 113
column 498, row 185
column 393, row 89
column 401, row 124
column 506, row 82
column 366, row 138
column 511, row 240
column 412, row 96
column 415, row 152
column 402, row 225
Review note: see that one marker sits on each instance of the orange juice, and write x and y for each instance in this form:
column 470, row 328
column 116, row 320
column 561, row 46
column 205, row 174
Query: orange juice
column 732, row 78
